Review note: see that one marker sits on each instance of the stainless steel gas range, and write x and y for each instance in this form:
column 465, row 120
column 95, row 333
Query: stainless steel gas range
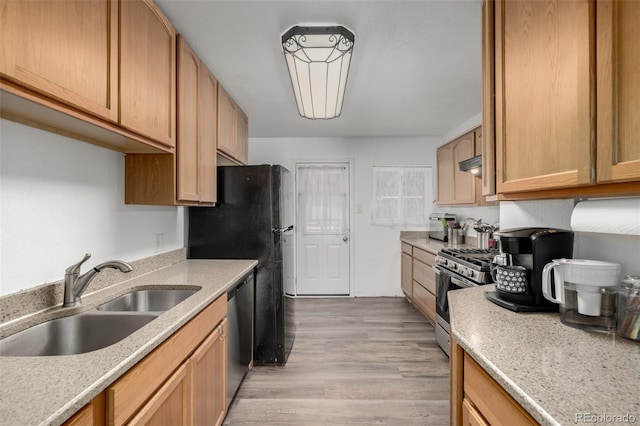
column 456, row 269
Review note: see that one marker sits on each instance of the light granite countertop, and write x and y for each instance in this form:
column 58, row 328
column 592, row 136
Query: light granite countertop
column 557, row 373
column 432, row 246
column 48, row 390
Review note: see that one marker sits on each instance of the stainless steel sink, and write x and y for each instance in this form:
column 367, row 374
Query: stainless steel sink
column 158, row 300
column 75, row 334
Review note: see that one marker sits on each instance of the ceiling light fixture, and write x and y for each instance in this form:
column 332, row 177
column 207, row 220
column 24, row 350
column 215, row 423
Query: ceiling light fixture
column 318, row 59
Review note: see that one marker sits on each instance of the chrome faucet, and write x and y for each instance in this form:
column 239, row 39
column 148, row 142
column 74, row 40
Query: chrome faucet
column 75, row 284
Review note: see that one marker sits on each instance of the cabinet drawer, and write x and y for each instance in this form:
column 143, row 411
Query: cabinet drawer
column 425, row 301
column 127, row 394
column 471, row 416
column 424, row 275
column 407, row 248
column 493, row 402
column 424, row 256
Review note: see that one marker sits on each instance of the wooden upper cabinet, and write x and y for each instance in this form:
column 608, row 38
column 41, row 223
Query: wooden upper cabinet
column 618, row 82
column 189, row 177
column 147, row 71
column 464, row 182
column 227, row 116
column 196, row 145
column 187, row 141
column 545, row 117
column 207, row 125
column 454, row 185
column 242, row 137
column 488, row 100
column 444, row 158
column 66, row 50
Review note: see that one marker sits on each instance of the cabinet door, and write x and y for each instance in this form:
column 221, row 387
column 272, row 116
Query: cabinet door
column 242, row 138
column 471, row 416
column 618, row 73
column 544, row 113
column 208, row 371
column 207, row 126
column 67, row 50
column 425, row 301
column 490, row 399
column 169, row 406
column 187, row 142
column 464, row 182
column 406, row 281
column 488, row 100
column 147, row 71
column 226, row 123
column 444, row 158
column 84, row 417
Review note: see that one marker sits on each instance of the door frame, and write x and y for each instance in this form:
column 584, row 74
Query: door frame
column 351, row 162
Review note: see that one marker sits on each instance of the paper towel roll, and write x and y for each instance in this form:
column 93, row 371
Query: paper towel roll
column 607, row 216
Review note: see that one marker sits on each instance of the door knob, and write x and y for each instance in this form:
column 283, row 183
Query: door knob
column 345, row 239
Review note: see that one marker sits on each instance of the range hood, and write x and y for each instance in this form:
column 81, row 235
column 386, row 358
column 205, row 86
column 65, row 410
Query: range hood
column 472, row 165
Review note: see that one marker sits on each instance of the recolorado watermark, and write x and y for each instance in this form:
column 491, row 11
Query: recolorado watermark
column 606, row 418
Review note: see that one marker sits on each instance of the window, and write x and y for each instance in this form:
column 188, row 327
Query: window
column 323, row 198
column 401, row 196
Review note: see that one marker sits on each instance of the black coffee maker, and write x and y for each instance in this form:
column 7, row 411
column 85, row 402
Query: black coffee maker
column 517, row 270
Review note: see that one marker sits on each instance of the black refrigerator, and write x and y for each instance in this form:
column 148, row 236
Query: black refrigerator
column 252, row 219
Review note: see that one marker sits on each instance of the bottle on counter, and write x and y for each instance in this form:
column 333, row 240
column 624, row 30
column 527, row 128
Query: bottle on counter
column 629, row 308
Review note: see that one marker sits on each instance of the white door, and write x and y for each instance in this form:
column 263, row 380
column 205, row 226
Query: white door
column 323, row 240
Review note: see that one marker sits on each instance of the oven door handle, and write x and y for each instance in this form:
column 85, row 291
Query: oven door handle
column 454, row 279
column 457, row 281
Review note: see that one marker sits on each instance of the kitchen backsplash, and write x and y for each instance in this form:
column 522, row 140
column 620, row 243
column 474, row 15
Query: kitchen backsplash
column 623, row 249
column 48, row 295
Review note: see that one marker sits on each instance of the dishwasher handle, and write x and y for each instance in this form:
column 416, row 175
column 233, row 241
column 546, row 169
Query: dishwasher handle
column 231, row 293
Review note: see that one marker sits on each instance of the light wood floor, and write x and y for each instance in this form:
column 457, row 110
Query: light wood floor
column 354, row 361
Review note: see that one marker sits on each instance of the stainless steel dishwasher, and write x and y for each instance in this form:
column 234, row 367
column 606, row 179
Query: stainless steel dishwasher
column 240, row 314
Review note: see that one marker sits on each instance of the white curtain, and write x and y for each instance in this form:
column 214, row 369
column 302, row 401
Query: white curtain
column 322, row 199
column 401, row 196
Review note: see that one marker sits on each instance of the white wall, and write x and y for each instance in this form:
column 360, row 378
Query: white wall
column 623, row 249
column 61, row 198
column 377, row 249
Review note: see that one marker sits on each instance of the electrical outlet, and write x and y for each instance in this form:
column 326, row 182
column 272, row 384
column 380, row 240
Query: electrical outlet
column 160, row 239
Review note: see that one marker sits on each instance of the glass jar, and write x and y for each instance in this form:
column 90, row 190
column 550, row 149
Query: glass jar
column 629, row 308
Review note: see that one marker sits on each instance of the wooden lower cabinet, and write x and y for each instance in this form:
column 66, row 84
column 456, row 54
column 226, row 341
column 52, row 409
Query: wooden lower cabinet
column 170, row 405
column 419, row 280
column 407, row 278
column 209, row 379
column 425, row 301
column 175, row 384
column 471, row 416
column 477, row 399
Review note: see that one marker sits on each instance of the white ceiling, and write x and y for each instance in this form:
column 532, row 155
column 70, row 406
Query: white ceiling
column 416, row 66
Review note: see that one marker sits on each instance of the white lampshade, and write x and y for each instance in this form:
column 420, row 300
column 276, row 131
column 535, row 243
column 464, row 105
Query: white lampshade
column 318, row 60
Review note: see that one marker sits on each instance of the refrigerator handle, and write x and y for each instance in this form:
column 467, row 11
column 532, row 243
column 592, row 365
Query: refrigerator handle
column 288, row 228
